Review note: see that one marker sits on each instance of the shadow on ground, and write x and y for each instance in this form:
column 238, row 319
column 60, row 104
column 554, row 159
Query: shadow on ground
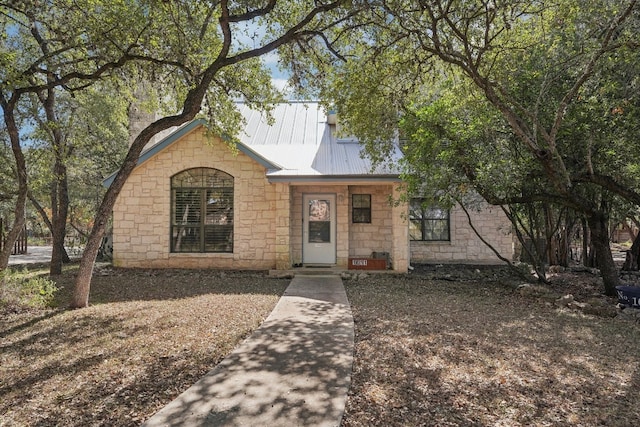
column 294, row 370
column 110, row 285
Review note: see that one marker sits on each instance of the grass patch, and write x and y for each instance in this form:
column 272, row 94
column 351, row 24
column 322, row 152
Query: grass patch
column 24, row 289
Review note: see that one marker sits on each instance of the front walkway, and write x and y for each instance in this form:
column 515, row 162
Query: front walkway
column 295, row 370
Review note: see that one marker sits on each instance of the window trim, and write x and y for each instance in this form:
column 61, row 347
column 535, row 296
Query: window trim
column 224, row 184
column 366, row 209
column 424, row 219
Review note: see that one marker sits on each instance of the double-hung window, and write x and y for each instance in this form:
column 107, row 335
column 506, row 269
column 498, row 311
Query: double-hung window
column 428, row 223
column 361, row 208
column 202, row 211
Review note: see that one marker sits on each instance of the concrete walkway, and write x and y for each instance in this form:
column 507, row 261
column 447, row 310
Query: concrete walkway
column 295, row 370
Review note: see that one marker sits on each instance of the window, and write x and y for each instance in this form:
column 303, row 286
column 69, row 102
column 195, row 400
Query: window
column 202, row 211
column 428, row 223
column 361, row 208
column 319, row 221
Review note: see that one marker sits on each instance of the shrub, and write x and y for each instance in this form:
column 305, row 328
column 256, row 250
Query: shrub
column 20, row 290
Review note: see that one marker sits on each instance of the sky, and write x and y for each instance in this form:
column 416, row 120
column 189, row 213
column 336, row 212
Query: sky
column 246, row 34
column 278, row 76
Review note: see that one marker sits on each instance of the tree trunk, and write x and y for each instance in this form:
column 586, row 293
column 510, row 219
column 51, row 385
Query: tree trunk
column 604, row 258
column 21, row 169
column 550, row 235
column 631, row 262
column 47, row 221
column 80, row 297
column 586, row 237
column 59, row 189
column 60, row 209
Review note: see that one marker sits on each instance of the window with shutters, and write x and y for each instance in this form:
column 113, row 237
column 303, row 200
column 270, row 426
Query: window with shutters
column 202, row 211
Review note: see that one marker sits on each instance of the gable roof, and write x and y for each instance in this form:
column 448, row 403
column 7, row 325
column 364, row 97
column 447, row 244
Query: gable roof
column 304, row 143
column 299, row 145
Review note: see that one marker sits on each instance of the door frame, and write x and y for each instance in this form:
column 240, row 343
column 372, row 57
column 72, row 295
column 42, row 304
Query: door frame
column 316, row 253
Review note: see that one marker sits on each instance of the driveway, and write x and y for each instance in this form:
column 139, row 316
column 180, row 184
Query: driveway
column 35, row 254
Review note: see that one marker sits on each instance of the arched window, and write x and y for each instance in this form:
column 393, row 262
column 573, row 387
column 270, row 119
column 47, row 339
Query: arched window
column 202, row 211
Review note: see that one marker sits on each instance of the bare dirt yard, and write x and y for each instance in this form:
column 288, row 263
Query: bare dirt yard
column 440, row 348
column 443, row 346
column 147, row 337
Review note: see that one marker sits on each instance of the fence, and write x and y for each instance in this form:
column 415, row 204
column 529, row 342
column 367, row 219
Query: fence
column 20, row 245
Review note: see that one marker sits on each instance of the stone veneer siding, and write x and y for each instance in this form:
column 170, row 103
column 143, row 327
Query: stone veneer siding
column 465, row 246
column 387, row 232
column 142, row 212
column 378, row 235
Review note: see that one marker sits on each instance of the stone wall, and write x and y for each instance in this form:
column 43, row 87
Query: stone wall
column 465, row 246
column 142, row 212
column 378, row 235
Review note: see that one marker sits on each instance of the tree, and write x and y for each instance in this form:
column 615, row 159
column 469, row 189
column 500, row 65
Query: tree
column 81, row 136
column 200, row 43
column 66, row 44
column 516, row 75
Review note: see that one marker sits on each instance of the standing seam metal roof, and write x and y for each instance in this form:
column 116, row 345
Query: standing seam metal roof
column 302, row 141
column 299, row 144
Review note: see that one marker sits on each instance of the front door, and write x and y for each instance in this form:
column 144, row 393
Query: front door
column 319, row 229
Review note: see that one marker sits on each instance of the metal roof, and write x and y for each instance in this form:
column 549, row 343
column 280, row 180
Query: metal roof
column 299, row 145
column 304, row 144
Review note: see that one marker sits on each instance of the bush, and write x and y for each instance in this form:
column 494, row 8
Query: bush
column 20, row 290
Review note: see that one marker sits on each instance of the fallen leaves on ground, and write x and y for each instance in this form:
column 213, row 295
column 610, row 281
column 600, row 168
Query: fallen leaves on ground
column 147, row 336
column 475, row 352
column 439, row 347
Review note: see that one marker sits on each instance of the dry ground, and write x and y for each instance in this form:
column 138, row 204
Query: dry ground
column 147, row 337
column 433, row 348
column 478, row 353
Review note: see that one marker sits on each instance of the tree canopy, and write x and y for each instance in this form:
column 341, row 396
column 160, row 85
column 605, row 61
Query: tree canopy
column 521, row 101
column 200, row 55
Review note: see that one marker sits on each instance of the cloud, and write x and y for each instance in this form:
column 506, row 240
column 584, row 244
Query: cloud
column 281, row 84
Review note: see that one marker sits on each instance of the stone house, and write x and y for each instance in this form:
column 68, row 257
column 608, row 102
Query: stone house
column 290, row 193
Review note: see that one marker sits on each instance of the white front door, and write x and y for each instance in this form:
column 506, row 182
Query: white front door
column 319, row 229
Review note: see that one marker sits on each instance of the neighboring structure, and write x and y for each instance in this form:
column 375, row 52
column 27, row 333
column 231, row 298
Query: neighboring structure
column 290, row 193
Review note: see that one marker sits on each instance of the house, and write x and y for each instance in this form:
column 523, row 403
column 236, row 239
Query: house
column 290, row 193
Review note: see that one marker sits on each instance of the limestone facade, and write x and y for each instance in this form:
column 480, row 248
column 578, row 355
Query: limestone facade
column 464, row 245
column 267, row 216
column 141, row 215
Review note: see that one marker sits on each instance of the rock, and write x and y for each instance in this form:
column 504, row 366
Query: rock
column 281, row 275
column 598, row 301
column 564, row 301
column 578, row 305
column 601, row 311
column 630, row 314
column 556, row 269
column 528, row 289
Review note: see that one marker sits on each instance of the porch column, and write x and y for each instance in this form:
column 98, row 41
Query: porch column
column 283, row 237
column 400, row 247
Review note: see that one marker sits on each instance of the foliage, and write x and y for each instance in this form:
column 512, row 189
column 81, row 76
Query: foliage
column 516, row 100
column 21, row 290
column 94, row 125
